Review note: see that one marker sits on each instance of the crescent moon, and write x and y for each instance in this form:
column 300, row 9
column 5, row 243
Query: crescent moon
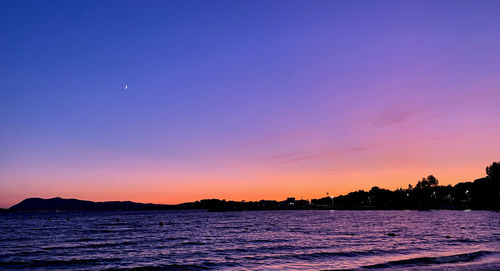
column 126, row 86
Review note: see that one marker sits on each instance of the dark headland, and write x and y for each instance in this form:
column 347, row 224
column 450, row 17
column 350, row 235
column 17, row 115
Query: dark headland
column 481, row 194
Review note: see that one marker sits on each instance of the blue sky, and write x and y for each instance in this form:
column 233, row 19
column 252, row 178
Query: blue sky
column 235, row 90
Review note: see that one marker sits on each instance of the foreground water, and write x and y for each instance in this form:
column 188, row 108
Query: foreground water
column 251, row 240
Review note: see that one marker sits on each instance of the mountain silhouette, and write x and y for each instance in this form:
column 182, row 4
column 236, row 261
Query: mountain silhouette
column 60, row 204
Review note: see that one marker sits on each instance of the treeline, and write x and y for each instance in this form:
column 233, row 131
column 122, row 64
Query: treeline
column 481, row 194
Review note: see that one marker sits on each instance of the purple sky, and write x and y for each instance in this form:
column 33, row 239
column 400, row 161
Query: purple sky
column 244, row 99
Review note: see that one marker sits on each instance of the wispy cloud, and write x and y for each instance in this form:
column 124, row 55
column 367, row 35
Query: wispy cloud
column 392, row 117
column 273, row 139
column 337, row 152
column 416, row 112
column 284, row 155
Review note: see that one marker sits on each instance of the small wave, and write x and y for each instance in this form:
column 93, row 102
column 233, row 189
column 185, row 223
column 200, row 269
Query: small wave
column 94, row 245
column 258, row 241
column 84, row 239
column 112, row 224
column 465, row 257
column 164, row 267
column 173, row 238
column 466, row 240
column 207, row 265
column 23, row 253
column 189, row 243
column 86, row 245
column 311, row 256
column 321, row 255
column 61, row 246
column 351, row 254
column 302, row 256
column 48, row 263
column 227, row 227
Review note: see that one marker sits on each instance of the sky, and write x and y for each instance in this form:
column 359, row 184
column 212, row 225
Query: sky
column 244, row 100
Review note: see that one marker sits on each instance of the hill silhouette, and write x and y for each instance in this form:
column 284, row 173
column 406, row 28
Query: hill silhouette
column 481, row 194
column 60, row 204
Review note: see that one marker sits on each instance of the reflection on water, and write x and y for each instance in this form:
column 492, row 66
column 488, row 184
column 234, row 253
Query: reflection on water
column 251, row 240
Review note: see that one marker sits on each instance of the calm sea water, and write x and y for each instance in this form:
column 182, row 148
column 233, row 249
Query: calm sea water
column 314, row 240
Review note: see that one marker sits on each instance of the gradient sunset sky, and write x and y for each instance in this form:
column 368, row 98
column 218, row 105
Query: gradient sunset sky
column 244, row 99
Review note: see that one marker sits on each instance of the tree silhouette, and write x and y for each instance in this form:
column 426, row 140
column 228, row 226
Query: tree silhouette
column 433, row 182
column 428, row 182
column 493, row 171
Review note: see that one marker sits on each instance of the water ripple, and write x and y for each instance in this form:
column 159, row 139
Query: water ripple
column 274, row 240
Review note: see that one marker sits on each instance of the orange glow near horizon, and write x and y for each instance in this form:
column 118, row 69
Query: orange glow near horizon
column 153, row 187
column 301, row 167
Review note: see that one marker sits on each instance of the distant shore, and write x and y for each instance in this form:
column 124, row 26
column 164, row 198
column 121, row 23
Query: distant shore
column 481, row 194
column 210, row 205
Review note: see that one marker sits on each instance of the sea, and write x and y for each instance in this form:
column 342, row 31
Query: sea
column 251, row 240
